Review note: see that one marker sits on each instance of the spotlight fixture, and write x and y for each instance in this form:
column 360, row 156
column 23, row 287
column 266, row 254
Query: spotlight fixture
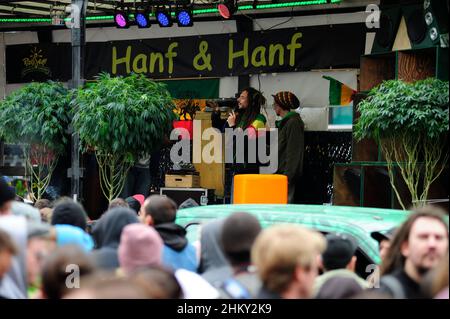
column 121, row 19
column 163, row 18
column 227, row 8
column 142, row 20
column 184, row 18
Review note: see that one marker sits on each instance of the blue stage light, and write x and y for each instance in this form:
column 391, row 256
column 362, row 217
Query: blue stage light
column 184, row 18
column 164, row 19
column 142, row 20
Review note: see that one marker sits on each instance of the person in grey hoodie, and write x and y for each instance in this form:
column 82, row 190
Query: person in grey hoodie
column 13, row 285
column 107, row 232
column 214, row 266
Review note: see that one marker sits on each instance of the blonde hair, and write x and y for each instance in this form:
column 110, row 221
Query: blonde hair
column 279, row 249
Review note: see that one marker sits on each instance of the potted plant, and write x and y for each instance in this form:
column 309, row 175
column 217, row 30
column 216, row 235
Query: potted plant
column 36, row 117
column 121, row 119
column 410, row 123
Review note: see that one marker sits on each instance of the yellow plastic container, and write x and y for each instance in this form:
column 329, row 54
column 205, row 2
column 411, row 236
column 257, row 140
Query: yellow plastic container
column 260, row 189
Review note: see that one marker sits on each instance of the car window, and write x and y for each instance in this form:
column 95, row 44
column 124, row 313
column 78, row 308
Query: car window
column 193, row 231
column 363, row 264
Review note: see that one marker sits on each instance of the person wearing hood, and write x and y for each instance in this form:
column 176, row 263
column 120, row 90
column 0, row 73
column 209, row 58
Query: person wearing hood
column 107, row 232
column 7, row 195
column 214, row 266
column 160, row 212
column 140, row 246
column 13, row 285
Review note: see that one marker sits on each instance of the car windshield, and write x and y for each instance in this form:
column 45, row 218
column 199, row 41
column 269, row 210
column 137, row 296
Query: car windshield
column 364, row 263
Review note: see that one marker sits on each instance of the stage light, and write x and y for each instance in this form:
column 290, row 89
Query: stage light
column 142, row 20
column 227, row 8
column 163, row 18
column 184, row 18
column 121, row 19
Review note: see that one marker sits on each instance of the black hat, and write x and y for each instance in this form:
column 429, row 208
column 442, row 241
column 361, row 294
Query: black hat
column 339, row 252
column 7, row 192
column 379, row 236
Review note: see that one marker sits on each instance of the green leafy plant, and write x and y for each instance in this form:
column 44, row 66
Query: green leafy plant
column 121, row 119
column 36, row 117
column 410, row 123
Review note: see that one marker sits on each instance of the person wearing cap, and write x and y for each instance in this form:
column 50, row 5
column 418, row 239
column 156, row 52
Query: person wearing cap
column 7, row 196
column 290, row 139
column 384, row 242
column 339, row 261
column 135, row 202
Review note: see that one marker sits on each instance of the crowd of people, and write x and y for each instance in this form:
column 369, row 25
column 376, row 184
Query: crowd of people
column 52, row 250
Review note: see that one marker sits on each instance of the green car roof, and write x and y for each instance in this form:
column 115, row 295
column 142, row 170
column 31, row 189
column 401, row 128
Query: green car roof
column 356, row 221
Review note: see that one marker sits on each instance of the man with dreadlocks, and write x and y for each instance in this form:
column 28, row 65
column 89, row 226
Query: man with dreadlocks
column 248, row 118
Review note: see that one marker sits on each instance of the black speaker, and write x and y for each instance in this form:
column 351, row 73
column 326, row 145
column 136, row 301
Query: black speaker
column 427, row 24
column 45, row 36
column 385, row 35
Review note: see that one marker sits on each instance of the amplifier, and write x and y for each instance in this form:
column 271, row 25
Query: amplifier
column 202, row 196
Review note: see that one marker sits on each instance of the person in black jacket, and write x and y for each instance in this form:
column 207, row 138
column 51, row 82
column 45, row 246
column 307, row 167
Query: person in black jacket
column 419, row 245
column 291, row 139
column 160, row 212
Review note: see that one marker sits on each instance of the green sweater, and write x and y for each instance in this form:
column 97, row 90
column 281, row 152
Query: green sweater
column 291, row 142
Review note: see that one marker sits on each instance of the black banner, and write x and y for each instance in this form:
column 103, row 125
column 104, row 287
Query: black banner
column 283, row 50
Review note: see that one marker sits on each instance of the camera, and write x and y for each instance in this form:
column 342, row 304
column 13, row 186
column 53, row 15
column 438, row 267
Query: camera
column 225, row 103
